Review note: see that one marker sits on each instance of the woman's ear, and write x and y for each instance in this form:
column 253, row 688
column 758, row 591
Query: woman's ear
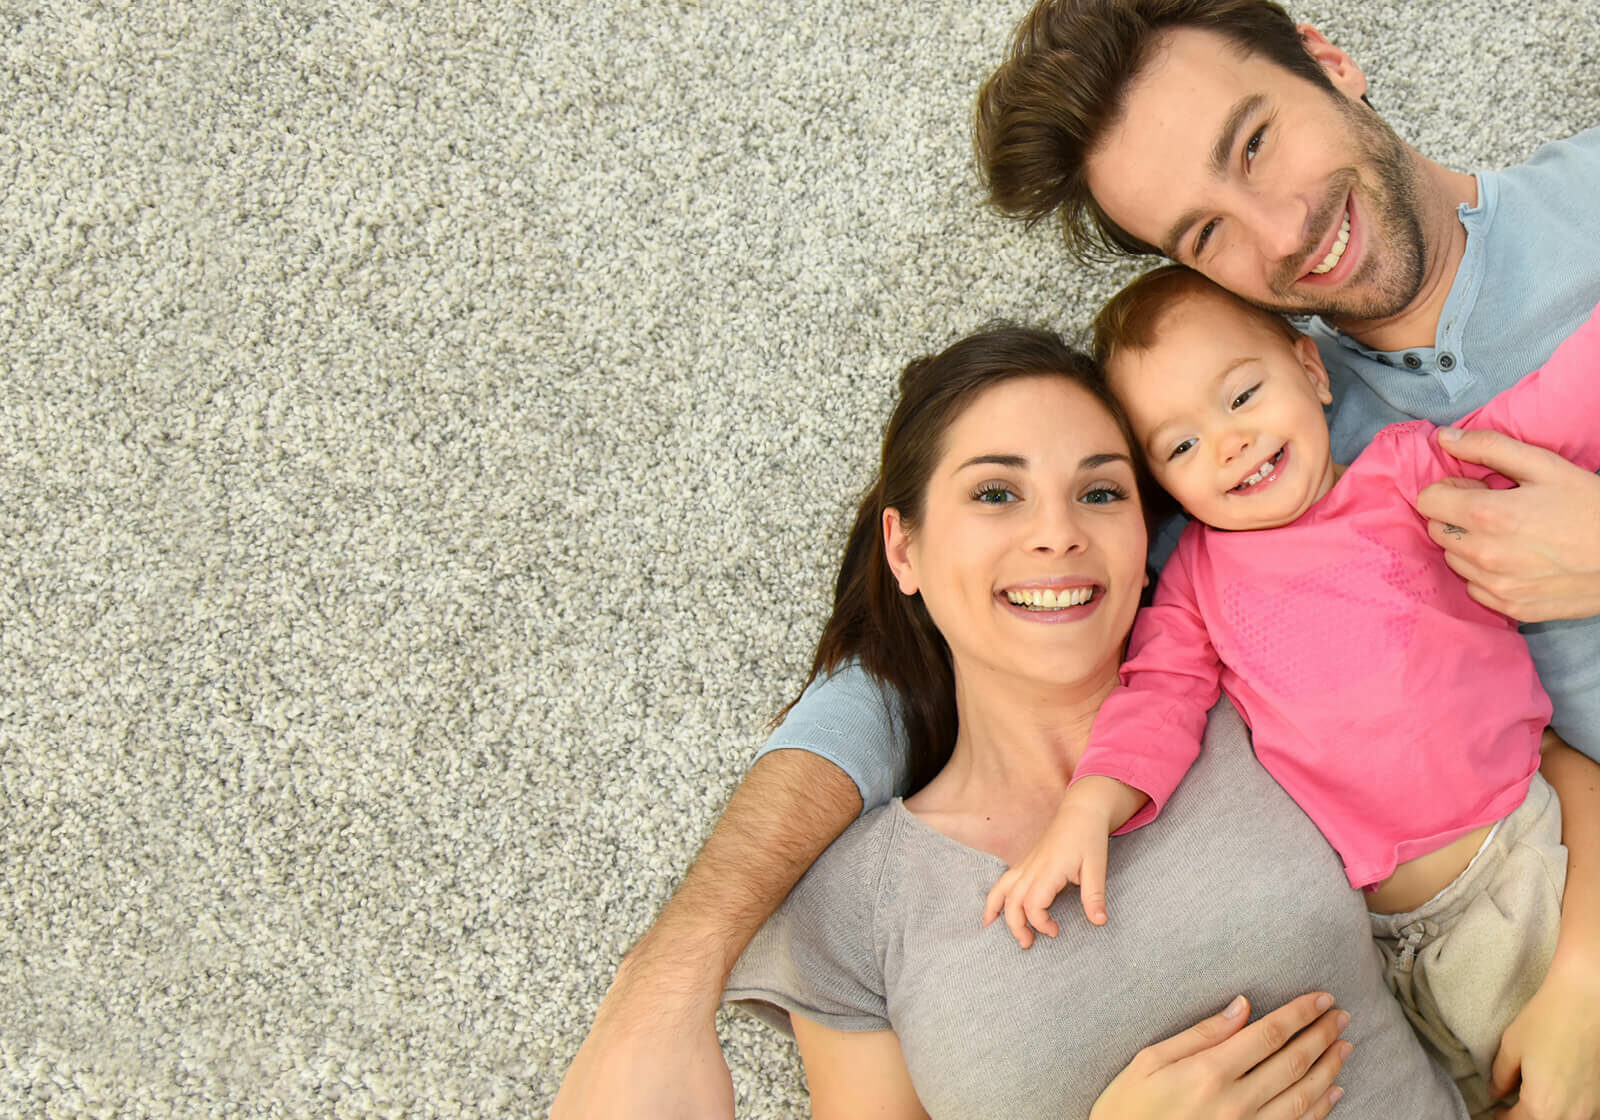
column 897, row 548
column 1342, row 71
column 1311, row 361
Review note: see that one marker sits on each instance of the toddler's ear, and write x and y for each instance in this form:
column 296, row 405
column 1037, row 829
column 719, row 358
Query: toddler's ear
column 1311, row 361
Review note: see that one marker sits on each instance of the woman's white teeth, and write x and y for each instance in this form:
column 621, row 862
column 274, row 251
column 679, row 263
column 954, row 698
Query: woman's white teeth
column 1048, row 599
column 1338, row 248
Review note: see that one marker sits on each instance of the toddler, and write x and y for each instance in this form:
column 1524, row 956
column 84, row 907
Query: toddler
column 1404, row 717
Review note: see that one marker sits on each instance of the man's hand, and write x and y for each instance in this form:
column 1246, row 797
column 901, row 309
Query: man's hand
column 1533, row 552
column 646, row 1056
column 1553, row 1047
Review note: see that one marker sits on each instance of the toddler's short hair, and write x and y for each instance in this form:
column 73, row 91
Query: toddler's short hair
column 1130, row 319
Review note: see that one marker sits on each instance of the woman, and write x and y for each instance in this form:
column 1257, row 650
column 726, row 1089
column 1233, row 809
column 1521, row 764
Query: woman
column 992, row 577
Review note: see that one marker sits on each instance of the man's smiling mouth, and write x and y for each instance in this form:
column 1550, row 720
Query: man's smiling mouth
column 1335, row 253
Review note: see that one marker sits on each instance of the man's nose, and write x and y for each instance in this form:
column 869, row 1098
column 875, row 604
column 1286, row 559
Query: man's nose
column 1279, row 222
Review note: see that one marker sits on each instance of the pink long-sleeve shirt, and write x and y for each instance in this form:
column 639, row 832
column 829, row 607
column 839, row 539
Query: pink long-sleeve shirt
column 1397, row 711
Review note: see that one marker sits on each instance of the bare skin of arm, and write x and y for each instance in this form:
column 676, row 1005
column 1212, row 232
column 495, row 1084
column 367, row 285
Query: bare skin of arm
column 1553, row 1046
column 653, row 1051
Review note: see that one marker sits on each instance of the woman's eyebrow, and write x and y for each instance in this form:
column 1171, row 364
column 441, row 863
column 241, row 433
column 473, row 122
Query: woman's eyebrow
column 1015, row 461
column 1088, row 462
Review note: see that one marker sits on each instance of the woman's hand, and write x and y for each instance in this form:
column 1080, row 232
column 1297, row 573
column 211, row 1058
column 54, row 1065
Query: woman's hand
column 1281, row 1067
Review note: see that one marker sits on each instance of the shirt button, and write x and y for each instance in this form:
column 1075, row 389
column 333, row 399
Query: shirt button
column 1412, row 361
column 1447, row 362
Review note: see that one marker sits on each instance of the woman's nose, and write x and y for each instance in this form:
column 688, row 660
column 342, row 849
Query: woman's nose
column 1055, row 528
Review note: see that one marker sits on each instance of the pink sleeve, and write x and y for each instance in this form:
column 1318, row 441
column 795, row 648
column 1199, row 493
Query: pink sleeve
column 1147, row 733
column 1557, row 406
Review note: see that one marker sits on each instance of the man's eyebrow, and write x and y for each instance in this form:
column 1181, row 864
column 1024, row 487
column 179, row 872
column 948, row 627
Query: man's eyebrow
column 1221, row 156
column 1222, row 152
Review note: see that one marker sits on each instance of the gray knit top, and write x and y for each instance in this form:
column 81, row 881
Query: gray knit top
column 1230, row 890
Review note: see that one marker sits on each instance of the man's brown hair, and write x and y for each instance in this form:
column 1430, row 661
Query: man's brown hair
column 1063, row 86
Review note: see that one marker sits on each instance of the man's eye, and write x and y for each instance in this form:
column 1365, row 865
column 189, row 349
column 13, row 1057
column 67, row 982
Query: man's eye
column 1185, row 445
column 1204, row 236
column 1253, row 145
column 995, row 493
column 1239, row 401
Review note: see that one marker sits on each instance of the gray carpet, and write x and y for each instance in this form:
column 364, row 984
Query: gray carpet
column 426, row 434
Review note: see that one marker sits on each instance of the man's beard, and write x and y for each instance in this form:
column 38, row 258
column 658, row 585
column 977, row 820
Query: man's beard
column 1396, row 252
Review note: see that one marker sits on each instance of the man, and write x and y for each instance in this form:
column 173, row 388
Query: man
column 1243, row 150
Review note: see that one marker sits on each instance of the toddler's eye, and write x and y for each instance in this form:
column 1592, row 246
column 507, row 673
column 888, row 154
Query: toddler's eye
column 1239, row 401
column 1183, row 446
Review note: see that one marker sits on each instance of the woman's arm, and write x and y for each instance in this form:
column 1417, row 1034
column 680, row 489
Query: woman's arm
column 856, row 1074
column 1553, row 1045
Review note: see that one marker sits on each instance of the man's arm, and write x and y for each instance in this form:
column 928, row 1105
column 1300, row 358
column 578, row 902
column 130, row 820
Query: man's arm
column 653, row 1049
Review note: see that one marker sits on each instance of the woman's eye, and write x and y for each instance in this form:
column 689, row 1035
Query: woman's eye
column 1104, row 494
column 995, row 493
column 1239, row 401
column 1180, row 449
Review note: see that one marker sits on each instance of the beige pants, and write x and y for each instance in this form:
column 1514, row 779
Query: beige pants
column 1465, row 962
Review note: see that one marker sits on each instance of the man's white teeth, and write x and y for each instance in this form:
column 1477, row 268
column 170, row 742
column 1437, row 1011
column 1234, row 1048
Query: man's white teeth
column 1338, row 248
column 1048, row 599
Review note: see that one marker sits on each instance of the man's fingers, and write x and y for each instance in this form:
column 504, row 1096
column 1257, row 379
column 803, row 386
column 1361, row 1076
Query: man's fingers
column 1452, row 501
column 1506, row 1071
column 1516, row 460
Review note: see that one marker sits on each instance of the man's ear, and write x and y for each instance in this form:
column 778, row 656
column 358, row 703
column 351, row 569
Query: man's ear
column 897, row 548
column 1342, row 71
column 1311, row 361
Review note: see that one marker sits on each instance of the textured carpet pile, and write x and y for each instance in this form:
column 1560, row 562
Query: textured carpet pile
column 425, row 435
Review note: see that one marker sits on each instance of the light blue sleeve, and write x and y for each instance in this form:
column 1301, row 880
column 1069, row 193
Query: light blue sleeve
column 856, row 723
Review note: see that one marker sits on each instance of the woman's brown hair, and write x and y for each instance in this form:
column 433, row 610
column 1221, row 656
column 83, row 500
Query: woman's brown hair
column 889, row 633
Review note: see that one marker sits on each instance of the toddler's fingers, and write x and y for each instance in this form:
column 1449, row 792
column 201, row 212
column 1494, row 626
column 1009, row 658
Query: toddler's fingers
column 1039, row 917
column 996, row 902
column 1017, row 922
column 1093, row 889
